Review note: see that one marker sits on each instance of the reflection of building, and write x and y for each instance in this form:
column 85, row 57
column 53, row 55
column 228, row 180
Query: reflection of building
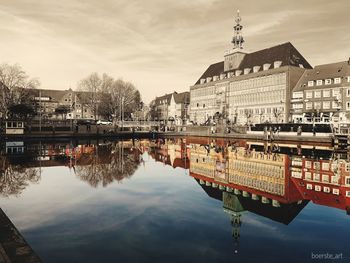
column 259, row 175
column 173, row 153
column 273, row 174
column 235, row 206
column 173, row 107
column 248, row 87
column 323, row 94
column 325, row 182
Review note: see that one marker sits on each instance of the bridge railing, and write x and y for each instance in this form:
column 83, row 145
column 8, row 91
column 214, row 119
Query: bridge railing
column 137, row 123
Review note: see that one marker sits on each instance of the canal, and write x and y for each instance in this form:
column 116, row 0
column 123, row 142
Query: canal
column 177, row 200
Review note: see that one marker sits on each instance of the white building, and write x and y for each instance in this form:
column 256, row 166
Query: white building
column 248, row 88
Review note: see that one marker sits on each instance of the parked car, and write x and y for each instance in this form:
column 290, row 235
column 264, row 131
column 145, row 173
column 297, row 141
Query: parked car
column 103, row 122
column 85, row 122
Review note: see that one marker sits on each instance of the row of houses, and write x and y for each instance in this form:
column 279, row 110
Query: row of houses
column 275, row 84
column 54, row 104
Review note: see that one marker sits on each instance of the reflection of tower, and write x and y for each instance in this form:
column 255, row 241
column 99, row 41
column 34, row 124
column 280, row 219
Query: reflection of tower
column 234, row 208
column 236, row 224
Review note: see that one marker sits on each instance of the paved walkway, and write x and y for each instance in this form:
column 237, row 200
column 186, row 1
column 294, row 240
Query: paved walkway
column 13, row 247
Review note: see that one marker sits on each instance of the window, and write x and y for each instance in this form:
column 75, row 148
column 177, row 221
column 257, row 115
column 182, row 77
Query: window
column 326, row 189
column 309, row 105
column 334, row 179
column 347, row 180
column 348, row 92
column 309, row 94
column 316, row 177
column 309, row 186
column 348, row 78
column 297, row 106
column 336, row 92
column 347, row 193
column 310, row 83
column 325, row 166
column 319, row 82
column 348, row 105
column 326, row 93
column 326, row 105
column 307, row 176
column 317, row 94
column 337, row 80
column 317, row 105
column 308, row 164
column 335, row 104
column 328, row 81
column 298, row 95
column 325, row 178
column 335, row 191
column 317, row 188
column 347, row 167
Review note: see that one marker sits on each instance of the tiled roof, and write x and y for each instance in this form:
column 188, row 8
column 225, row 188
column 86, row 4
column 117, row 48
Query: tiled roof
column 286, row 53
column 159, row 100
column 178, row 97
column 183, row 97
column 55, row 95
column 322, row 72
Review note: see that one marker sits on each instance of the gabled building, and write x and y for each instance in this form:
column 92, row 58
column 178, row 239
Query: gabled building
column 46, row 102
column 323, row 94
column 248, row 88
column 171, row 107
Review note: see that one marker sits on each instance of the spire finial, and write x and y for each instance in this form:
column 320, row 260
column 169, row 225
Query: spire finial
column 237, row 39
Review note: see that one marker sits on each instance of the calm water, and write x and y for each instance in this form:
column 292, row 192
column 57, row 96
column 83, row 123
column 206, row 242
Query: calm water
column 177, row 200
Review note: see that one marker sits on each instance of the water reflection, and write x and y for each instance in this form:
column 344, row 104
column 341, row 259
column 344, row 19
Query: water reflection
column 266, row 173
column 97, row 163
column 273, row 183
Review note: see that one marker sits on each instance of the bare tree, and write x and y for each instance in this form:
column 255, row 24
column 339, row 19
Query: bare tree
column 92, row 85
column 15, row 86
column 120, row 98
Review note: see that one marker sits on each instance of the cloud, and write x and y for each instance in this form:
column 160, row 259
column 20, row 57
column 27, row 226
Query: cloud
column 159, row 45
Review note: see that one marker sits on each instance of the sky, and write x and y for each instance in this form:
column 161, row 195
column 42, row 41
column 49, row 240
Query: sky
column 160, row 45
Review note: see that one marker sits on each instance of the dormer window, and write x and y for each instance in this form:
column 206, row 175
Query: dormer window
column 277, row 64
column 256, row 69
column 328, row 82
column 202, row 81
column 215, row 78
column 310, row 83
column 337, row 80
column 238, row 72
column 208, row 79
column 319, row 82
column 266, row 66
column 246, row 71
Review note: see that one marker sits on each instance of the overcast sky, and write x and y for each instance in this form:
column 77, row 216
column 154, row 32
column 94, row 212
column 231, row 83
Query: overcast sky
column 160, row 45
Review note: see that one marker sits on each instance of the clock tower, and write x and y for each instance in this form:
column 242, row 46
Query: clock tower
column 234, row 56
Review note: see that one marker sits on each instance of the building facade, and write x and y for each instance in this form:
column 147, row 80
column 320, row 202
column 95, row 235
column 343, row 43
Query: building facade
column 47, row 102
column 323, row 95
column 172, row 107
column 248, row 88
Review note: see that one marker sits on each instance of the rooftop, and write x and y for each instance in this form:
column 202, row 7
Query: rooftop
column 286, row 53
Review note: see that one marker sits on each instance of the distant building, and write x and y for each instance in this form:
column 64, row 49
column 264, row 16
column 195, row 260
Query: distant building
column 323, row 94
column 248, row 88
column 171, row 107
column 46, row 102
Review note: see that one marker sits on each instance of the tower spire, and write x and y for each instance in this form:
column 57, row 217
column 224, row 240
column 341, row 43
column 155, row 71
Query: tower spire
column 237, row 39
